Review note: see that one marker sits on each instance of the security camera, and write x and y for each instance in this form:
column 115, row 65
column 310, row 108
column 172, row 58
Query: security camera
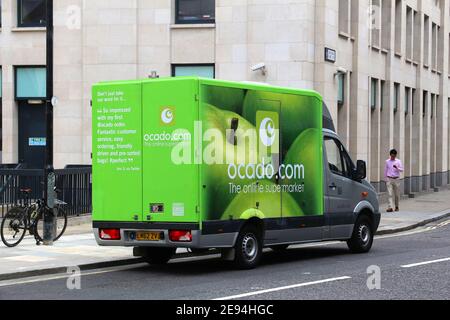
column 260, row 66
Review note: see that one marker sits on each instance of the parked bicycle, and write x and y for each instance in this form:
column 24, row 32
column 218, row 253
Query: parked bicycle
column 29, row 216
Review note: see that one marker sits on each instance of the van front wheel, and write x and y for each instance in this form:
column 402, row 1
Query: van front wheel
column 362, row 238
column 248, row 248
column 158, row 255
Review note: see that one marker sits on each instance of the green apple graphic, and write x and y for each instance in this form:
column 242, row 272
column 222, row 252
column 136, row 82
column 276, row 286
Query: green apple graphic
column 295, row 111
column 226, row 150
column 306, row 150
column 269, row 204
column 231, row 99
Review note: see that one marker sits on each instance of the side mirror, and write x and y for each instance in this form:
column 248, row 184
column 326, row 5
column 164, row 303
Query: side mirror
column 361, row 170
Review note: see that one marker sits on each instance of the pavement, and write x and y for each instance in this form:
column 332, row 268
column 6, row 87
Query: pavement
column 78, row 247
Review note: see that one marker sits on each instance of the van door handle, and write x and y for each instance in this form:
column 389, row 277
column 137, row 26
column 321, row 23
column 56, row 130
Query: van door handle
column 333, row 186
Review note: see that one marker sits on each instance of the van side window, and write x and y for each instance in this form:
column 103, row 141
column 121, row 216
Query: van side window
column 349, row 166
column 334, row 156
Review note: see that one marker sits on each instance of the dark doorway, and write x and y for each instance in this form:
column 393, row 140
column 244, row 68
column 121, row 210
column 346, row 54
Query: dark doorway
column 32, row 141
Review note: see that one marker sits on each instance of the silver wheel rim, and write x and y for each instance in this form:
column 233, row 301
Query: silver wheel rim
column 250, row 247
column 364, row 234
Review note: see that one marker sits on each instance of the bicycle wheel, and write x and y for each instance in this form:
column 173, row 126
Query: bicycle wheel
column 14, row 226
column 61, row 224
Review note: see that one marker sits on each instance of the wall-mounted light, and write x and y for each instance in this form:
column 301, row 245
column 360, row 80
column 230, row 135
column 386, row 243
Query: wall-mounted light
column 340, row 71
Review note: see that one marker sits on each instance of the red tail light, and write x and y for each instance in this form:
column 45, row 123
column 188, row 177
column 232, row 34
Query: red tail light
column 180, row 235
column 109, row 234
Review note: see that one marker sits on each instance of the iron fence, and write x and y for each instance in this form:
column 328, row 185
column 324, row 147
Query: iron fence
column 74, row 185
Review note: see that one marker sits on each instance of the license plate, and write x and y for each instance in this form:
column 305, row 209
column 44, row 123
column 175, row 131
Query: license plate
column 148, row 236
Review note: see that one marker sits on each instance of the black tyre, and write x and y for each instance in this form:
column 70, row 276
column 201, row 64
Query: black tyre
column 61, row 224
column 362, row 238
column 14, row 227
column 248, row 248
column 280, row 248
column 158, row 256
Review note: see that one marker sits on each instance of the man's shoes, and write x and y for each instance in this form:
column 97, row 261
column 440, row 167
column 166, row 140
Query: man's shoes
column 390, row 210
column 397, row 209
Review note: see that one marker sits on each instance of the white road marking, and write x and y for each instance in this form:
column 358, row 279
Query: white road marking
column 14, row 282
column 425, row 263
column 299, row 285
column 28, row 258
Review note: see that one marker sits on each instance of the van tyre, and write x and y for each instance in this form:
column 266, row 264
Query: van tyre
column 158, row 256
column 248, row 248
column 362, row 238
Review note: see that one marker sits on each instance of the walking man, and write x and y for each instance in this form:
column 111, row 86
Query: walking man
column 392, row 172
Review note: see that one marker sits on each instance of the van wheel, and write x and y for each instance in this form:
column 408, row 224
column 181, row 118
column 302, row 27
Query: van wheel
column 280, row 248
column 248, row 248
column 158, row 255
column 362, row 238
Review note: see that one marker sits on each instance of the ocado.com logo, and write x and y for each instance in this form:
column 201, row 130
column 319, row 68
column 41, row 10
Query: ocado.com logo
column 167, row 116
column 267, row 132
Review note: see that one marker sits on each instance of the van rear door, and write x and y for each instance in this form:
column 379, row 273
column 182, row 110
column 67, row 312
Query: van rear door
column 117, row 152
column 170, row 176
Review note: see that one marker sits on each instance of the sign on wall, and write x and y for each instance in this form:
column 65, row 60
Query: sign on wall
column 330, row 55
column 37, row 142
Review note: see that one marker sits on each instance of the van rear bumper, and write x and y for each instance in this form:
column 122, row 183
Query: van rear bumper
column 199, row 240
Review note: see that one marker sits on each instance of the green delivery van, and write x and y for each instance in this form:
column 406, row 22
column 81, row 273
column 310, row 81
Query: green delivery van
column 208, row 164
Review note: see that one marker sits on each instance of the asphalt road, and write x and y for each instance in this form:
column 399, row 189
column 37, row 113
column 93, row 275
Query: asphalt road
column 414, row 265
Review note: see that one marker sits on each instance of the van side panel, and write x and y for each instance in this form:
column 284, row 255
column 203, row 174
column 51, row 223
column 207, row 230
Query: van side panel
column 287, row 133
column 117, row 152
column 171, row 172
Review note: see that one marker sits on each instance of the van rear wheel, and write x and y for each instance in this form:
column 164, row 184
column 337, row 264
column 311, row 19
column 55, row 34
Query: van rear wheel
column 362, row 238
column 158, row 256
column 248, row 248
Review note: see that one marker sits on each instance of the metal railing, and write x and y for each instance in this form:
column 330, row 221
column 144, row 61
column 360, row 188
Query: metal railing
column 74, row 183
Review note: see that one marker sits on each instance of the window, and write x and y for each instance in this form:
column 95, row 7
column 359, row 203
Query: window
column 407, row 91
column 334, row 156
column 417, row 40
column 339, row 161
column 377, row 21
column 434, row 34
column 344, row 16
column 386, row 18
column 31, row 13
column 424, row 103
column 409, row 31
column 341, row 89
column 30, row 83
column 0, row 13
column 396, row 96
column 195, row 11
column 398, row 26
column 199, row 70
column 373, row 93
column 426, row 44
column 382, row 92
column 349, row 167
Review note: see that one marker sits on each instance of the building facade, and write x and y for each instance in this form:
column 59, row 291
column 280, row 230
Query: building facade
column 382, row 67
